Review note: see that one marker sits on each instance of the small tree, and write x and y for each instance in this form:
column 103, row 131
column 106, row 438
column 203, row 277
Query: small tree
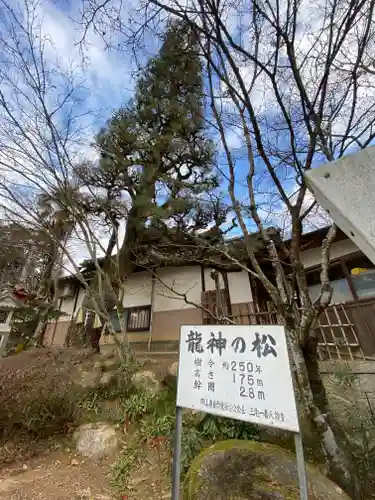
column 20, row 247
column 42, row 129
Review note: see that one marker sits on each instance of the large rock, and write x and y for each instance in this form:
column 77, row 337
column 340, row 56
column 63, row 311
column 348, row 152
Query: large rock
column 88, row 375
column 96, row 441
column 100, row 374
column 109, row 365
column 194, row 417
column 87, row 379
column 249, row 470
column 170, row 378
column 146, row 380
column 173, row 369
column 107, row 379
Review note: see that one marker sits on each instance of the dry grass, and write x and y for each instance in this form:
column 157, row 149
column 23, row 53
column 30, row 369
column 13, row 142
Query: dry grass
column 37, row 400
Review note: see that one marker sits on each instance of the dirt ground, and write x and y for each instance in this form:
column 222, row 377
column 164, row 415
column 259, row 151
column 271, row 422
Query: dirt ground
column 57, row 476
column 63, row 476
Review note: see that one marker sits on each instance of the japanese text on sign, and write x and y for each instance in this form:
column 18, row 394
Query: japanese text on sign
column 237, row 371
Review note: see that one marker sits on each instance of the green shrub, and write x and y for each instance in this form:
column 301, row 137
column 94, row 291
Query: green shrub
column 191, row 443
column 165, row 402
column 157, row 426
column 137, row 405
column 122, row 468
column 214, row 428
column 156, row 417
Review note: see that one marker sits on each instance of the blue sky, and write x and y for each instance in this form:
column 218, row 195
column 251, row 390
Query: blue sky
column 108, row 78
column 108, row 74
column 105, row 82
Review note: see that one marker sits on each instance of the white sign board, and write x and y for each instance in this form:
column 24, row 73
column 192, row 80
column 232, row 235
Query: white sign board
column 345, row 188
column 238, row 371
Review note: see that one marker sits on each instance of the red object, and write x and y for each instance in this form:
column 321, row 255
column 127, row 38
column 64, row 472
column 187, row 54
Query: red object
column 20, row 293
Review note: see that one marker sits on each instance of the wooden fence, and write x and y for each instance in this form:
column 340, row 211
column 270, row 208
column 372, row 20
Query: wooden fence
column 346, row 331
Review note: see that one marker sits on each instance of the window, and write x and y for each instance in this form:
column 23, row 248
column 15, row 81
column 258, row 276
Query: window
column 138, row 319
column 351, row 279
column 340, row 293
column 115, row 320
column 362, row 273
column 341, row 289
column 209, row 303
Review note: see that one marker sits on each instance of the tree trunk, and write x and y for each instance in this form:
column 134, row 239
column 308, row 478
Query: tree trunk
column 38, row 336
column 89, row 330
column 96, row 333
column 314, row 405
column 76, row 333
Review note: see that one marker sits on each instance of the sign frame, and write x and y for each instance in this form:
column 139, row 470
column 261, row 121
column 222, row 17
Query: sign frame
column 176, row 464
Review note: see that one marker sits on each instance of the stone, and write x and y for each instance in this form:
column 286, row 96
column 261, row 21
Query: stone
column 173, row 369
column 146, row 380
column 269, row 495
column 97, row 367
column 112, row 353
column 170, row 378
column 151, row 361
column 107, row 379
column 96, row 440
column 110, row 365
column 194, row 417
column 74, row 462
column 88, row 379
column 251, row 470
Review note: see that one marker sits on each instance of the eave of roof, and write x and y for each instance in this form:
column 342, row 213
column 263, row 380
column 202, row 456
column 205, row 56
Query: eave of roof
column 312, row 239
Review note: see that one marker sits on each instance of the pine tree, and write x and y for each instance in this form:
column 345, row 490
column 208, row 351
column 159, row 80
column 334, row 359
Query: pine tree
column 157, row 151
column 169, row 106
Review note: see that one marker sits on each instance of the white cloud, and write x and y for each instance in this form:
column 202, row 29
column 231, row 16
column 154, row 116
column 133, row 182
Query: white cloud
column 107, row 73
column 29, row 157
column 316, row 217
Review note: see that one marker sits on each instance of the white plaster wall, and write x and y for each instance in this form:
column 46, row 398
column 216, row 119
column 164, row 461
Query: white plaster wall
column 68, row 305
column 137, row 293
column 138, row 290
column 183, row 280
column 5, row 327
column 313, row 257
column 68, row 289
column 239, row 287
column 67, row 308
